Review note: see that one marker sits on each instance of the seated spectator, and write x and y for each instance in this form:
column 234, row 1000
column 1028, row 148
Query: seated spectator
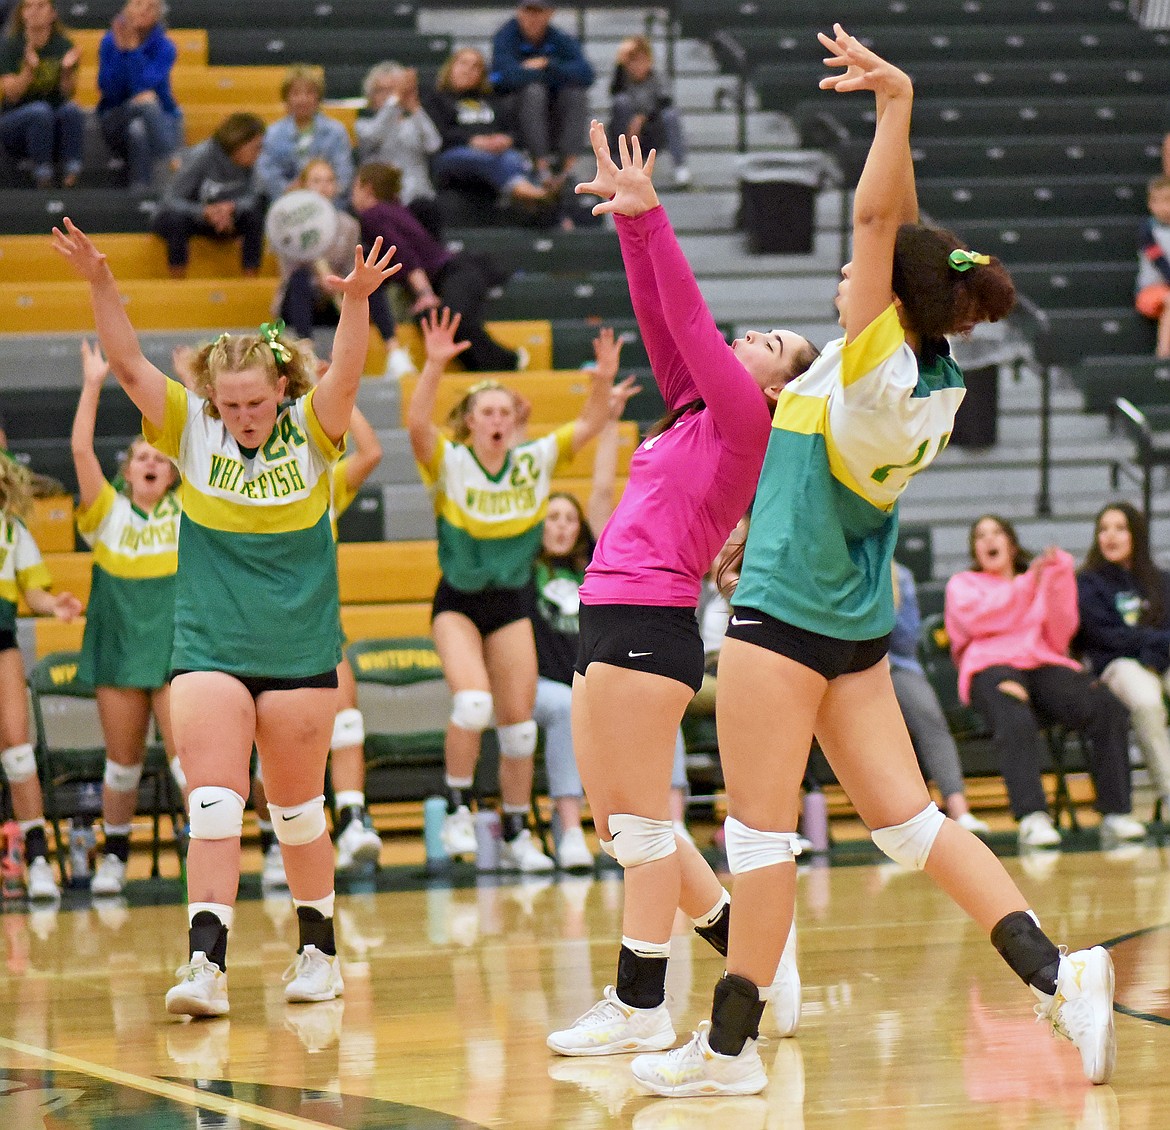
column 304, row 300
column 1010, row 620
column 643, row 109
column 216, row 194
column 304, row 133
column 547, row 70
column 434, row 276
column 39, row 121
column 920, row 707
column 138, row 114
column 477, row 128
column 1153, row 280
column 1124, row 601
column 394, row 129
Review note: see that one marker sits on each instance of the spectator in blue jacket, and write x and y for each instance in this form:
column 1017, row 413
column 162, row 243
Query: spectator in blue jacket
column 138, row 114
column 547, row 70
column 303, row 135
column 1124, row 604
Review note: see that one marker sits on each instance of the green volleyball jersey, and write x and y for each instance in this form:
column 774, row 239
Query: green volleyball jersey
column 130, row 618
column 21, row 568
column 489, row 526
column 846, row 439
column 257, row 588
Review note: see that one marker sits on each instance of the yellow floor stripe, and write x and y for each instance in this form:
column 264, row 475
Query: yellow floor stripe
column 247, row 1112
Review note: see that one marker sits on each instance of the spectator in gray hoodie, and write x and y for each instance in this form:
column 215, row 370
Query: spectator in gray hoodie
column 216, row 194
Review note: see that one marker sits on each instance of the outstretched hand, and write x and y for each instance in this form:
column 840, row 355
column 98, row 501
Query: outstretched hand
column 620, row 394
column 863, row 69
column 369, row 272
column 626, row 188
column 94, row 367
column 79, row 251
column 607, row 351
column 438, row 330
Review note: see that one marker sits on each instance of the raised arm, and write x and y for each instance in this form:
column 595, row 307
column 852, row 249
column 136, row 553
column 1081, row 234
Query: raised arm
column 360, row 464
column 607, row 349
column 438, row 329
column 337, row 392
column 145, row 384
column 884, row 198
column 595, row 415
column 94, row 370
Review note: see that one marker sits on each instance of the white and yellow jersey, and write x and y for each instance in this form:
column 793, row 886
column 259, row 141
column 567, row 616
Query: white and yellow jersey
column 128, row 542
column 21, row 568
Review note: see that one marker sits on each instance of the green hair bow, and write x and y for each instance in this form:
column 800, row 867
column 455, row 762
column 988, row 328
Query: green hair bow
column 961, row 260
column 270, row 332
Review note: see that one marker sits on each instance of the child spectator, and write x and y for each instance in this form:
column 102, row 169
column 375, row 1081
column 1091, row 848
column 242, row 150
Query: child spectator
column 395, row 130
column 216, row 194
column 1153, row 280
column 304, row 133
column 642, row 108
column 39, row 122
column 138, row 114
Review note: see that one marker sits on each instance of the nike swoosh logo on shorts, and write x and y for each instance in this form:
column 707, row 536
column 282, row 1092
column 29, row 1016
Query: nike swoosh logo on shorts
column 639, row 654
column 740, row 623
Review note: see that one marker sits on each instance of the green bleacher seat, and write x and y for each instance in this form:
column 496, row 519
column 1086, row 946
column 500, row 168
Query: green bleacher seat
column 1067, row 336
column 47, row 413
column 915, row 550
column 1070, row 240
column 1034, row 196
column 1076, row 284
column 1143, row 380
column 52, row 456
column 326, row 46
column 379, row 14
column 32, row 212
column 604, row 295
column 567, row 252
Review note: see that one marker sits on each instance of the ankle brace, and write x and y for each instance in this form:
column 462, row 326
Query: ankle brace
column 1027, row 949
column 641, row 981
column 715, row 934
column 735, row 1014
column 315, row 930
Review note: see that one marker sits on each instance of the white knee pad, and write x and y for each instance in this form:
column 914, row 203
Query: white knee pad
column 300, row 823
column 749, row 849
column 607, row 847
column 909, row 843
column 636, row 839
column 471, row 710
column 216, row 813
column 20, row 763
column 348, row 729
column 122, row 778
column 517, row 740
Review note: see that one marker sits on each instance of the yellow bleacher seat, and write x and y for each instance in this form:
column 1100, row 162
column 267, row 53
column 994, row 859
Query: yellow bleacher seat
column 379, row 572
column 190, row 42
column 556, row 395
column 132, row 255
column 153, row 304
column 535, row 336
column 193, row 84
column 52, row 634
column 365, row 621
column 51, row 523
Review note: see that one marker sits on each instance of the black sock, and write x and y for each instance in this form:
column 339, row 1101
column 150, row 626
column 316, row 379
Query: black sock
column 716, row 934
column 208, row 935
column 267, row 839
column 1027, row 949
column 315, row 930
column 118, row 845
column 514, row 823
column 36, row 843
column 457, row 797
column 735, row 1014
column 641, row 981
column 348, row 815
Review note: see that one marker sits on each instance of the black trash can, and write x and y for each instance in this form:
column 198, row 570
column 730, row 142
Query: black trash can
column 777, row 200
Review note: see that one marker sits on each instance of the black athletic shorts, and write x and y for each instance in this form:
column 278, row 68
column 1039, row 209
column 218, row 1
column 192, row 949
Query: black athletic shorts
column 257, row 684
column 489, row 610
column 827, row 656
column 8, row 640
column 642, row 637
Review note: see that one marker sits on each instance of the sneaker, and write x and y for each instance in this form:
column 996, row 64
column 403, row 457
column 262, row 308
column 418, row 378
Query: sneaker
column 110, row 876
column 523, row 854
column 682, row 177
column 317, row 1028
column 784, row 993
column 272, row 874
column 1037, row 830
column 399, row 364
column 1122, row 826
column 12, row 878
column 1082, row 1009
column 201, row 991
column 42, row 883
column 973, row 824
column 611, row 1027
column 694, row 1069
column 458, row 833
column 357, row 844
column 607, row 1081
column 313, row 976
column 573, row 852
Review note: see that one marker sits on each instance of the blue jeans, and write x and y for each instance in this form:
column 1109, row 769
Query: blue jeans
column 141, row 133
column 42, row 133
column 664, row 127
column 466, row 163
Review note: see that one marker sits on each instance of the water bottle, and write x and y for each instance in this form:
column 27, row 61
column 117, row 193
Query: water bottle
column 487, row 840
column 815, row 819
column 434, row 813
column 82, row 849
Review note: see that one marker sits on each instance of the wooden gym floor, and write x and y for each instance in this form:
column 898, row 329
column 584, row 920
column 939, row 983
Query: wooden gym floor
column 452, row 982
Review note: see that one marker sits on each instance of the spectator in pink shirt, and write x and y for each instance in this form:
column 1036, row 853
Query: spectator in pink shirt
column 1010, row 620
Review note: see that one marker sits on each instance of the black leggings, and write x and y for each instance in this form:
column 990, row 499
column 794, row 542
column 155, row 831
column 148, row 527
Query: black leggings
column 1070, row 698
column 462, row 283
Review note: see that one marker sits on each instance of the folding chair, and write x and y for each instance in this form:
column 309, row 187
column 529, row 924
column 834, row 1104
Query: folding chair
column 71, row 751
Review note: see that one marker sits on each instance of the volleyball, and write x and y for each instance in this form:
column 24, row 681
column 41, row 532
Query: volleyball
column 301, row 226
